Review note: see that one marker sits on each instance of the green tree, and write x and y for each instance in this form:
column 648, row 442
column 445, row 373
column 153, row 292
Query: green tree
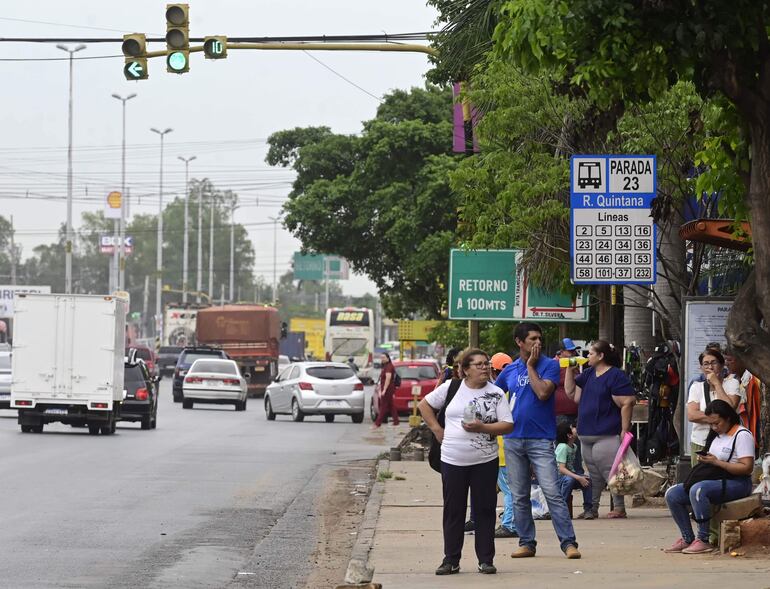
column 642, row 50
column 381, row 199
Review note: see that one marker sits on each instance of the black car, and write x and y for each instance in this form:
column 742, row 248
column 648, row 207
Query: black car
column 186, row 358
column 141, row 402
column 167, row 359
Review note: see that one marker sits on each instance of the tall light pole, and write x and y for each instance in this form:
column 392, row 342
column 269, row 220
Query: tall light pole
column 68, row 246
column 233, row 206
column 159, row 257
column 199, row 283
column 211, row 250
column 120, row 253
column 275, row 258
column 186, row 237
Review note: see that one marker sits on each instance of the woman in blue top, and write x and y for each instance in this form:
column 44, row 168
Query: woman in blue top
column 605, row 399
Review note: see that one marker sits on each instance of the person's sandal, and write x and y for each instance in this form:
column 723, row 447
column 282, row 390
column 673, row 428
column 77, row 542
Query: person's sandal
column 616, row 515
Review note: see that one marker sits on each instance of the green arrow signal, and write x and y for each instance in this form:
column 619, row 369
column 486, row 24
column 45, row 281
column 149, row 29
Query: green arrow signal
column 136, row 70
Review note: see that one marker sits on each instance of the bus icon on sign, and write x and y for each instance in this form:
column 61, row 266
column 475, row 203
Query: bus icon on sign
column 589, row 174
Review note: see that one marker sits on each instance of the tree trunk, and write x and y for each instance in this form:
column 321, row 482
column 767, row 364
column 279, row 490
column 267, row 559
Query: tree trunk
column 637, row 319
column 672, row 260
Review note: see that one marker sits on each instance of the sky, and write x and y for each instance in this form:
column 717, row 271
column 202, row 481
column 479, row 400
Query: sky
column 220, row 111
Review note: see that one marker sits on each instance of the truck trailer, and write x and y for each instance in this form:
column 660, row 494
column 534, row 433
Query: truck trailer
column 249, row 334
column 68, row 360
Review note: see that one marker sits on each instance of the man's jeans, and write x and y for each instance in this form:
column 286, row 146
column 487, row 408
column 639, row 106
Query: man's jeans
column 508, row 519
column 520, row 454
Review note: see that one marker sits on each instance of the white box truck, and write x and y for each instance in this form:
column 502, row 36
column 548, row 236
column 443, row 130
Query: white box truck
column 68, row 357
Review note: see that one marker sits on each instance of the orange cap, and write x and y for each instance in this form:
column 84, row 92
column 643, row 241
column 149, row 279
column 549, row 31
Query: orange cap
column 500, row 360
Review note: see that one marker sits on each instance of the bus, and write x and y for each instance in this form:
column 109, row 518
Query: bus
column 350, row 333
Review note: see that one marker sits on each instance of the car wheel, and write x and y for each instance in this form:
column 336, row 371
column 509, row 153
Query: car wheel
column 146, row 421
column 296, row 412
column 269, row 413
column 155, row 419
column 38, row 429
column 93, row 429
column 358, row 417
column 187, row 404
column 178, row 397
column 25, row 429
column 329, row 417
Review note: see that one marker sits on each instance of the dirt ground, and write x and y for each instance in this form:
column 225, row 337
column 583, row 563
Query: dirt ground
column 340, row 512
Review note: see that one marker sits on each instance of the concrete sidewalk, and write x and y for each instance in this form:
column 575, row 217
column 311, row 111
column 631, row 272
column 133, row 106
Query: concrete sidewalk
column 407, row 548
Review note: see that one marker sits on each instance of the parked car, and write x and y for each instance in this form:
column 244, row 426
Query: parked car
column 148, row 356
column 141, row 401
column 167, row 359
column 5, row 380
column 316, row 388
column 186, row 359
column 214, row 380
column 422, row 373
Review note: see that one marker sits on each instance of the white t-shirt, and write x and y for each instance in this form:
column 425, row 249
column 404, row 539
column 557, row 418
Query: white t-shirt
column 700, row 431
column 744, row 445
column 461, row 448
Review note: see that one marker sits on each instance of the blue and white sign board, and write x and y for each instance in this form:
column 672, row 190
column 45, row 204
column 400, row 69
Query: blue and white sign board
column 612, row 235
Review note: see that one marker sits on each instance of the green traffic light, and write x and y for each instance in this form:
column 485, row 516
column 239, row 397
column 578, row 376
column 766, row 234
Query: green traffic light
column 177, row 61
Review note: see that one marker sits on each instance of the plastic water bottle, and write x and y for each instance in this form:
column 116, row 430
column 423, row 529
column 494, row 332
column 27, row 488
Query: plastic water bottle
column 574, row 361
column 469, row 413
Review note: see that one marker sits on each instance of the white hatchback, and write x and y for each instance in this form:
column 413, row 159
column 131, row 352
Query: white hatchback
column 214, row 380
column 316, row 388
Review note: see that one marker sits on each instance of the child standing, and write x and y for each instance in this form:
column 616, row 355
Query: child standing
column 566, row 436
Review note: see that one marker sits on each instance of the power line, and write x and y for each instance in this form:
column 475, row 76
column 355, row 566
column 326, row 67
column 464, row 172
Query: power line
column 336, row 73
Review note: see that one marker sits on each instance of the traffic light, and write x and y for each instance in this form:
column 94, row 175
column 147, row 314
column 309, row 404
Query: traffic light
column 135, row 50
column 215, row 47
column 177, row 38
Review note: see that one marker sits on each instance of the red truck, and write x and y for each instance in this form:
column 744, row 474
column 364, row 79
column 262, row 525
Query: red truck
column 249, row 334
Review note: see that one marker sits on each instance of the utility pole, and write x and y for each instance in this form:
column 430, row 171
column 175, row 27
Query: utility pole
column 69, row 239
column 211, row 250
column 275, row 258
column 159, row 255
column 13, row 254
column 186, row 237
column 146, row 305
column 120, row 252
column 233, row 206
column 199, row 284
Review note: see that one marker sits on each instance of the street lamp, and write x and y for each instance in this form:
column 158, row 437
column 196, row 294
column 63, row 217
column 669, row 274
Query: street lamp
column 159, row 256
column 68, row 247
column 186, row 198
column 275, row 257
column 233, row 206
column 120, row 256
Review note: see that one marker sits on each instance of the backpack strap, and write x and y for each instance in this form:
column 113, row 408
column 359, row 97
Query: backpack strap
column 706, row 393
column 454, row 386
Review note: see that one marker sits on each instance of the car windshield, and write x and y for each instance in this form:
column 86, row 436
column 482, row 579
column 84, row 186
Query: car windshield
column 5, row 362
column 416, row 372
column 346, row 346
column 133, row 374
column 217, row 366
column 190, row 358
column 330, row 372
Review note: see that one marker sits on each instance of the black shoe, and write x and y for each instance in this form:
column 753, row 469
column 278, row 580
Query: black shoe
column 470, row 525
column 486, row 568
column 503, row 532
column 447, row 568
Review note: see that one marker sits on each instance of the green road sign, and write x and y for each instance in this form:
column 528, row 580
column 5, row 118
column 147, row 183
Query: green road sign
column 136, row 69
column 482, row 284
column 311, row 267
column 537, row 305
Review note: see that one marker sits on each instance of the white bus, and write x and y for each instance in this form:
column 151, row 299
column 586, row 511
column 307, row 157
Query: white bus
column 350, row 334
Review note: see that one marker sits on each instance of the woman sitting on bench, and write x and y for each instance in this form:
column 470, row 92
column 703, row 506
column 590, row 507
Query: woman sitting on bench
column 723, row 474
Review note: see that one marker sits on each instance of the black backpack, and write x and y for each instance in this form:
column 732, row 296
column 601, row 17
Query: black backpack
column 396, row 379
column 434, row 454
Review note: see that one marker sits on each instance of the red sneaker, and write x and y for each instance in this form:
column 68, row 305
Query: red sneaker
column 698, row 547
column 678, row 546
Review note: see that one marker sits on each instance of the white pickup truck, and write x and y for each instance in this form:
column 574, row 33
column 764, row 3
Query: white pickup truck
column 68, row 358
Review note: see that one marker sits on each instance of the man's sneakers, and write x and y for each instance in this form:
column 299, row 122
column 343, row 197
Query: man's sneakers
column 487, row 568
column 588, row 514
column 470, row 525
column 523, row 552
column 698, row 547
column 572, row 552
column 447, row 568
column 503, row 532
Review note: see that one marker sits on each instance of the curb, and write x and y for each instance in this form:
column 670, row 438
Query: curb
column 359, row 572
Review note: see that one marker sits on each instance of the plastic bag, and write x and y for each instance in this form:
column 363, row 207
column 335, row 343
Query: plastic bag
column 763, row 488
column 539, row 505
column 626, row 475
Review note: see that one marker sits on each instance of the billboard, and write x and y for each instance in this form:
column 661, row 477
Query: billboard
column 7, row 292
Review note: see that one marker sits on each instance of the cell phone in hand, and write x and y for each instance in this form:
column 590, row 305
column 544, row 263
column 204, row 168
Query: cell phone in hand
column 702, row 453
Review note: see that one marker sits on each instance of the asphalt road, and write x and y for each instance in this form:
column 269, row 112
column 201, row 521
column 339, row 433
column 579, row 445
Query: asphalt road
column 212, row 498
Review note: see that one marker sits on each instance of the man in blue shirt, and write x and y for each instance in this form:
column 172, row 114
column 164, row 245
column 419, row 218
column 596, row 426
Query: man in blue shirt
column 531, row 380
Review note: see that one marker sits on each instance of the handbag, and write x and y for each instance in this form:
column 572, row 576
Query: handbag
column 434, row 453
column 711, row 472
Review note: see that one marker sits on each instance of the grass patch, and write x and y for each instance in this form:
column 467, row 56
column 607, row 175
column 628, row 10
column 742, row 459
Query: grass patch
column 384, row 475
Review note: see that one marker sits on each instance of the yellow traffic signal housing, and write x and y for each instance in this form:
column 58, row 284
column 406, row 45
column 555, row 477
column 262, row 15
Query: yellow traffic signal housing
column 215, row 47
column 135, row 51
column 177, row 38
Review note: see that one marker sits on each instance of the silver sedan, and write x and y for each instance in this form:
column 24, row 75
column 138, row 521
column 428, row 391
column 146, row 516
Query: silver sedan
column 214, row 381
column 316, row 388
